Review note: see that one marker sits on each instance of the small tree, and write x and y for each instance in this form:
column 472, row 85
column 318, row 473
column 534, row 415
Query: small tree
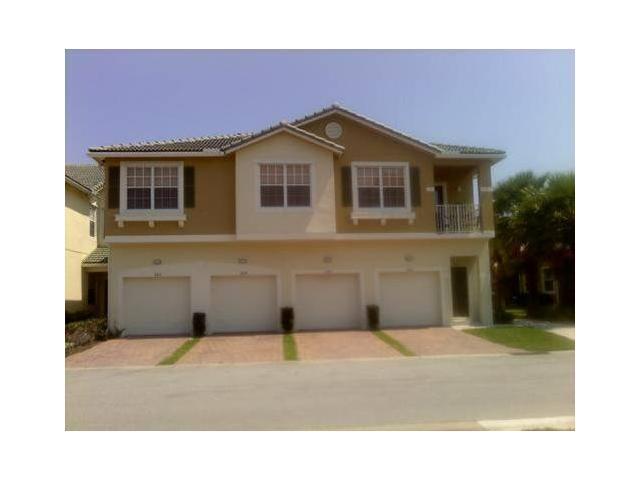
column 535, row 222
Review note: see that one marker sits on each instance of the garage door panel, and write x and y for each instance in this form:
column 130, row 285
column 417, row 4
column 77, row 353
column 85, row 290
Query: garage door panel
column 243, row 304
column 410, row 299
column 327, row 301
column 156, row 306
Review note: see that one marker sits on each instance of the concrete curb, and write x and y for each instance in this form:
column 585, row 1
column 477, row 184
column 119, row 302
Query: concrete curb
column 333, row 360
column 521, row 424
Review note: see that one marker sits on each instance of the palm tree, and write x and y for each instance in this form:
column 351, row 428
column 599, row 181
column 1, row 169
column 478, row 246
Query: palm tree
column 535, row 222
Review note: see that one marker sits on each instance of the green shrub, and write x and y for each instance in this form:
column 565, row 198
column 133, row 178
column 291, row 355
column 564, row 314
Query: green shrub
column 85, row 331
column 286, row 319
column 199, row 324
column 373, row 317
column 502, row 317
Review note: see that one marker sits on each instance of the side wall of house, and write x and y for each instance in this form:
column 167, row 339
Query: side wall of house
column 78, row 244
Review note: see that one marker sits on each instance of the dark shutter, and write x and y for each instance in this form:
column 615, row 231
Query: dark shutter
column 346, row 187
column 189, row 187
column 113, row 200
column 415, row 186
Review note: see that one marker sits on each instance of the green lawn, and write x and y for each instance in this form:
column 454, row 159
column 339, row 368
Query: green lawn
column 525, row 338
column 180, row 352
column 289, row 347
column 388, row 339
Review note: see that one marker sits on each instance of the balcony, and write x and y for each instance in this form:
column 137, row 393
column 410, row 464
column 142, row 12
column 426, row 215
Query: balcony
column 458, row 218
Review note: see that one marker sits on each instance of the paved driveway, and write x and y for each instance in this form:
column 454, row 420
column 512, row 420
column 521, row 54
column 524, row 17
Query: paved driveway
column 445, row 341
column 341, row 344
column 126, row 352
column 246, row 348
column 235, row 349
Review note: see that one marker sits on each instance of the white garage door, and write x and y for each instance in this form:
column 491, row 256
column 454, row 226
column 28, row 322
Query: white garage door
column 243, row 304
column 410, row 299
column 156, row 306
column 327, row 301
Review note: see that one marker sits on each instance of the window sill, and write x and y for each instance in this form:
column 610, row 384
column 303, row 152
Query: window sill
column 383, row 214
column 262, row 209
column 151, row 217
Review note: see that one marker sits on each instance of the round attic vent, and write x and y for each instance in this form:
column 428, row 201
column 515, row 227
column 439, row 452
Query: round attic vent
column 333, row 130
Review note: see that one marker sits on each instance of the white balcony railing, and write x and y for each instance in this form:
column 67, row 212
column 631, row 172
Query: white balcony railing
column 458, row 218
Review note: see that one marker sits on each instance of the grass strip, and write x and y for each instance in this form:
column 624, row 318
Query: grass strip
column 180, row 352
column 289, row 347
column 392, row 342
column 524, row 338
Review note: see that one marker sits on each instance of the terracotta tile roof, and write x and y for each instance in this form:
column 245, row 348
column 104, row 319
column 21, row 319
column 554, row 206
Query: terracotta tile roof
column 99, row 256
column 89, row 176
column 226, row 142
column 199, row 144
column 466, row 149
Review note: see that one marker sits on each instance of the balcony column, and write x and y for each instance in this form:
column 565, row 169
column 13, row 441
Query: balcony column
column 428, row 196
column 486, row 197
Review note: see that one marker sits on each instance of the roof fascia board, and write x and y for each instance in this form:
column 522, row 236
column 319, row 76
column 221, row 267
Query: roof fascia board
column 473, row 156
column 204, row 153
column 76, row 185
column 292, row 131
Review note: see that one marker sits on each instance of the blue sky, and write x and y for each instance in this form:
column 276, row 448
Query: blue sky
column 520, row 101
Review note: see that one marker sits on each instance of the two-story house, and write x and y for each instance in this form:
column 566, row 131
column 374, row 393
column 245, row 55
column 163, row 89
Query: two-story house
column 327, row 214
column 86, row 256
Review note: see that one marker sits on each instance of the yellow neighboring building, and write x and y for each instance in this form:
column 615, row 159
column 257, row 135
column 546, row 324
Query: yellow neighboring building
column 85, row 283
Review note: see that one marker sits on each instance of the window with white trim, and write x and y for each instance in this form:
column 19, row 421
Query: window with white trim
column 138, row 188
column 152, row 187
column 285, row 185
column 382, row 186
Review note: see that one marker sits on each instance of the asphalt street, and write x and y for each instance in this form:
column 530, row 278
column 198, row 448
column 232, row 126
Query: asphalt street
column 398, row 393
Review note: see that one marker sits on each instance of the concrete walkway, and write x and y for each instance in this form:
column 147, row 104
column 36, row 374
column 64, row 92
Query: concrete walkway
column 567, row 330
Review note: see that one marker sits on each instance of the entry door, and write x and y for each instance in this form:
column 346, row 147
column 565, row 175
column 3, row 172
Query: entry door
column 460, row 290
column 439, row 190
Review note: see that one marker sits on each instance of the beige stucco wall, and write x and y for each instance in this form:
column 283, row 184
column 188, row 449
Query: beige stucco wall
column 78, row 244
column 284, row 147
column 366, row 145
column 201, row 261
column 214, row 211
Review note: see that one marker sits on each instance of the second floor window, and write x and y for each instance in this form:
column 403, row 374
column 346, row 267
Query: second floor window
column 285, row 185
column 381, row 187
column 157, row 186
